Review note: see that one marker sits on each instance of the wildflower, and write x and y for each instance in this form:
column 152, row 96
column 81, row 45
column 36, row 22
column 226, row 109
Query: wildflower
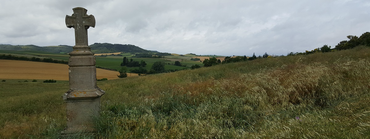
column 297, row 118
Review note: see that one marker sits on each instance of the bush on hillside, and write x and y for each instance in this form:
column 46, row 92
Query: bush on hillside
column 50, row 81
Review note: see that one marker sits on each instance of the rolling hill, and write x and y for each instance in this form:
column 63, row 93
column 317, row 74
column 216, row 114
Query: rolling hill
column 50, row 49
column 110, row 48
column 320, row 95
column 96, row 48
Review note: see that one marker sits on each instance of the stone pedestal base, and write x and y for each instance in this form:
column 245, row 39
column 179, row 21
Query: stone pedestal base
column 80, row 115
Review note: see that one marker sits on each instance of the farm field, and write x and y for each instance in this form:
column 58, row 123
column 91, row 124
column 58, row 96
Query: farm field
column 113, row 62
column 37, row 54
column 100, row 54
column 320, row 95
column 202, row 58
column 15, row 69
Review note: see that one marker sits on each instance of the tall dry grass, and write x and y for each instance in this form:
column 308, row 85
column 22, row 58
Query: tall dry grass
column 312, row 96
column 31, row 109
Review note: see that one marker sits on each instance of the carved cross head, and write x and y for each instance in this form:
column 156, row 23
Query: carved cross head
column 80, row 18
column 80, row 21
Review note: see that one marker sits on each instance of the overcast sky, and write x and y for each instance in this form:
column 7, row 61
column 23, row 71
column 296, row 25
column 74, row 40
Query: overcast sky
column 220, row 27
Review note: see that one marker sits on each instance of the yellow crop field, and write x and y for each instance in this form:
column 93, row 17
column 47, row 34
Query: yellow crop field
column 202, row 58
column 116, row 53
column 15, row 69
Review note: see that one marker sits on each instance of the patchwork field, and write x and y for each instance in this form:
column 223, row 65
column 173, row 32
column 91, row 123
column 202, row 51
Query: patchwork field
column 100, row 54
column 202, row 58
column 113, row 60
column 14, row 69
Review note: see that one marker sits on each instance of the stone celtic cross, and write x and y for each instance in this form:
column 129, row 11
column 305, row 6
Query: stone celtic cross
column 83, row 97
column 80, row 21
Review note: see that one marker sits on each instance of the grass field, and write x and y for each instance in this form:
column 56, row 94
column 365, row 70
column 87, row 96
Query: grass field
column 202, row 58
column 37, row 54
column 321, row 95
column 15, row 69
column 100, row 54
column 113, row 62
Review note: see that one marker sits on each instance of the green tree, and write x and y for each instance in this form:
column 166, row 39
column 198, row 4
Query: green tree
column 122, row 72
column 265, row 55
column 140, row 70
column 325, row 48
column 226, row 60
column 342, row 45
column 177, row 63
column 210, row 62
column 213, row 61
column 353, row 41
column 206, row 63
column 124, row 61
column 195, row 66
column 157, row 67
column 253, row 57
column 142, row 63
column 365, row 39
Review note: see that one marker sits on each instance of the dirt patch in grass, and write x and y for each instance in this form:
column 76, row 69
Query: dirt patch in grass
column 15, row 69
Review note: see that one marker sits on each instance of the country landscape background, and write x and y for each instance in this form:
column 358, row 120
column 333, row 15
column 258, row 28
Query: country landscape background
column 192, row 69
column 207, row 27
column 321, row 93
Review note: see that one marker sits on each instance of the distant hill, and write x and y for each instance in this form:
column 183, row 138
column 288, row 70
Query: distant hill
column 50, row 49
column 110, row 48
column 96, row 48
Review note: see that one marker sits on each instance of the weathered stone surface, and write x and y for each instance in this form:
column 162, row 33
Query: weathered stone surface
column 83, row 97
column 81, row 120
column 79, row 60
column 80, row 21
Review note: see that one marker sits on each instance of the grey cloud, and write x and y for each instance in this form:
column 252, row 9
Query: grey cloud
column 136, row 25
column 238, row 27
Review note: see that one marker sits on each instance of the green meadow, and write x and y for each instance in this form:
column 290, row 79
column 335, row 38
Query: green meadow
column 36, row 54
column 320, row 95
column 114, row 62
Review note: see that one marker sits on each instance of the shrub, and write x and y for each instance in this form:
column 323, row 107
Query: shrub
column 122, row 75
column 157, row 67
column 195, row 66
column 177, row 63
column 139, row 70
column 50, row 81
column 103, row 79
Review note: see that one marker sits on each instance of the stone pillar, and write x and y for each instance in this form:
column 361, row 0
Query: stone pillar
column 83, row 97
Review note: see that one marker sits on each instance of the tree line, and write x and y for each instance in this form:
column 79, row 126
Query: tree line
column 132, row 63
column 214, row 61
column 49, row 60
column 151, row 55
column 353, row 42
column 157, row 67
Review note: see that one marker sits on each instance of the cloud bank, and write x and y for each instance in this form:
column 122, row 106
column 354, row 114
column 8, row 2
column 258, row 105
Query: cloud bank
column 223, row 27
